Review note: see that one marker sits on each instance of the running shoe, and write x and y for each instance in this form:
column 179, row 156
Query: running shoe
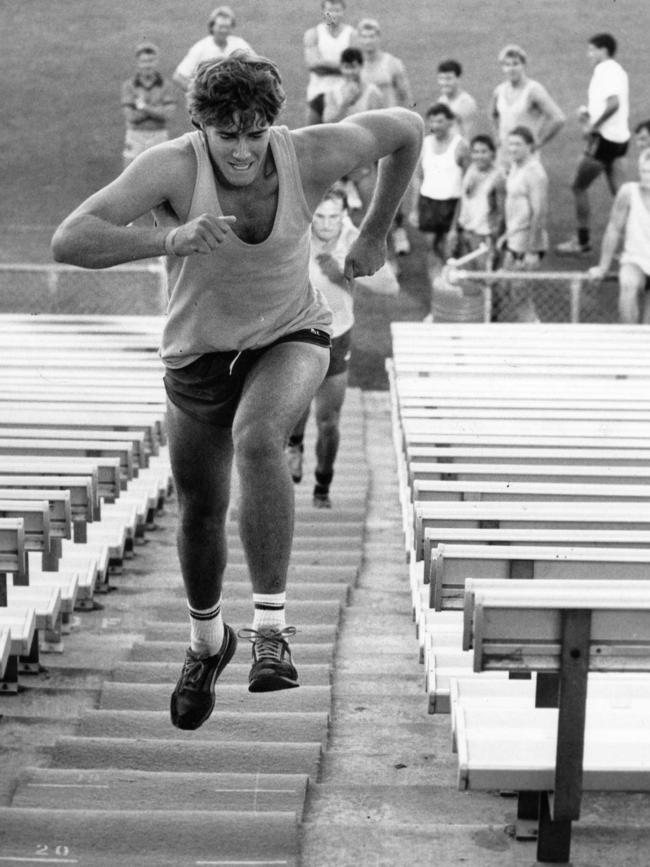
column 401, row 243
column 573, row 247
column 294, row 460
column 193, row 699
column 322, row 501
column 272, row 665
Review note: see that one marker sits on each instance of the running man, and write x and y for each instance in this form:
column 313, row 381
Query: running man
column 220, row 43
column 630, row 221
column 522, row 101
column 607, row 135
column 332, row 236
column 246, row 339
column 323, row 46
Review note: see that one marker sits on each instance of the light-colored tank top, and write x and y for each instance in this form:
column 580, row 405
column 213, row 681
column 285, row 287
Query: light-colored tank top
column 330, row 48
column 515, row 111
column 636, row 249
column 243, row 296
column 475, row 201
column 441, row 175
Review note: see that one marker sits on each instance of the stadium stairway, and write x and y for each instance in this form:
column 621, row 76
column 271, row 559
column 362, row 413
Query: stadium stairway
column 347, row 770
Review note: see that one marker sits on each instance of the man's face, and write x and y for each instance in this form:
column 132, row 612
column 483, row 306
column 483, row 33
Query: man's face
column 351, row 71
column 643, row 139
column 147, row 63
column 238, row 151
column 327, row 221
column 482, row 156
column 644, row 172
column 518, row 148
column 596, row 55
column 448, row 83
column 368, row 40
column 221, row 29
column 333, row 12
column 513, row 69
column 439, row 125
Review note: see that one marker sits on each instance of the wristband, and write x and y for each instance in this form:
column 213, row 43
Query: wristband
column 169, row 242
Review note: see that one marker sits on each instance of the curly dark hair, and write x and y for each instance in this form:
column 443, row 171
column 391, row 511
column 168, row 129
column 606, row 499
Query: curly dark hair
column 242, row 84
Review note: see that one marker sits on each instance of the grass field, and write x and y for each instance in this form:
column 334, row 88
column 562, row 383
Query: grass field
column 63, row 62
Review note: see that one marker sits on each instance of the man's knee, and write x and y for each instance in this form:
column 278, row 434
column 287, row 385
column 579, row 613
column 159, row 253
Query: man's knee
column 258, row 440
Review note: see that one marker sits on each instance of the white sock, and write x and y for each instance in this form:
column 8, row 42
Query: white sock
column 269, row 610
column 206, row 629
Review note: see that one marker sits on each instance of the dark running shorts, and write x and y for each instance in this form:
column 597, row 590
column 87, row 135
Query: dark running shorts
column 604, row 150
column 340, row 355
column 436, row 215
column 209, row 388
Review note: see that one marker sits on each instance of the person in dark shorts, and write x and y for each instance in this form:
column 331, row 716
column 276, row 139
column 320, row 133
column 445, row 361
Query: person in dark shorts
column 245, row 341
column 333, row 234
column 438, row 181
column 607, row 135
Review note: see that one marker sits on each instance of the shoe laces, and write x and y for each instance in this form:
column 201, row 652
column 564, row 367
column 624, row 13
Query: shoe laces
column 268, row 642
column 193, row 673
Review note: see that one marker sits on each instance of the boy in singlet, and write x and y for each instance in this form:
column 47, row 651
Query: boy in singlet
column 246, row 339
column 630, row 221
column 459, row 101
column 522, row 101
column 438, row 180
column 323, row 45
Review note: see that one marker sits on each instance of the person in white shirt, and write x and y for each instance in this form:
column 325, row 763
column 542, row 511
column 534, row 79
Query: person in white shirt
column 630, row 221
column 438, row 181
column 607, row 135
column 220, row 43
column 459, row 101
column 332, row 235
column 323, row 46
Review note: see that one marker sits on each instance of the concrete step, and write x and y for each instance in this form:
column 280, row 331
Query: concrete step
column 222, row 726
column 147, row 696
column 312, row 528
column 53, row 788
column 235, row 672
column 161, row 650
column 148, row 838
column 307, row 633
column 173, row 754
column 234, row 590
column 303, row 611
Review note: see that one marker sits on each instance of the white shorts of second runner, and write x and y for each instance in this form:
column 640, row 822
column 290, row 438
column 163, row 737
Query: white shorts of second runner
column 641, row 262
column 136, row 141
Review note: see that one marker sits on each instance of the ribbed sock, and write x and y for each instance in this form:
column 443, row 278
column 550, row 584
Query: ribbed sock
column 269, row 610
column 206, row 629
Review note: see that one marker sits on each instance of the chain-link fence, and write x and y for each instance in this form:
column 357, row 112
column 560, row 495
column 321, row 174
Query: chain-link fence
column 470, row 291
column 125, row 289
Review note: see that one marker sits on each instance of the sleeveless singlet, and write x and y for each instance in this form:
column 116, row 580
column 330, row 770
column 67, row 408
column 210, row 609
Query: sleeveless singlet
column 243, row 296
column 330, row 49
column 636, row 249
column 516, row 112
column 441, row 175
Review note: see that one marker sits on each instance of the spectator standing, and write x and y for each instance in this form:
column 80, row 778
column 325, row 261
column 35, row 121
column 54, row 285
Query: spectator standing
column 438, row 181
column 388, row 73
column 480, row 217
column 332, row 236
column 526, row 238
column 606, row 133
column 246, row 338
column 642, row 135
column 220, row 43
column 323, row 46
column 347, row 96
column 459, row 101
column 630, row 222
column 522, row 101
column 148, row 102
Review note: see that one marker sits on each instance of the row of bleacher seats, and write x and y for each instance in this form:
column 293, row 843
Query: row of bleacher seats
column 83, row 470
column 523, row 457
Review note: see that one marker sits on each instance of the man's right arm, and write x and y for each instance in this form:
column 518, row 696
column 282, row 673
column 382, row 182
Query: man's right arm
column 99, row 234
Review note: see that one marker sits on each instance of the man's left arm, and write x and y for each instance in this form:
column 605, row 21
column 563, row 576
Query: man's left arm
column 554, row 117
